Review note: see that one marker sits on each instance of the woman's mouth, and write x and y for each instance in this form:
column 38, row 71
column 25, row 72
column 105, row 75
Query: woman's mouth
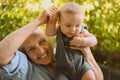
column 43, row 56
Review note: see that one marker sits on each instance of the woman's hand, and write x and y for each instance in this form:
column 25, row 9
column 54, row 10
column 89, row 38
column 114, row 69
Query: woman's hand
column 43, row 17
column 91, row 60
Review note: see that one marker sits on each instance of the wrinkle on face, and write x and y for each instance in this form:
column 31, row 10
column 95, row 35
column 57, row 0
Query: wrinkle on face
column 38, row 48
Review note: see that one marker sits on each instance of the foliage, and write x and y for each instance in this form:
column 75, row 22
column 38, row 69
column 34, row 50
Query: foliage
column 14, row 14
column 101, row 16
column 104, row 20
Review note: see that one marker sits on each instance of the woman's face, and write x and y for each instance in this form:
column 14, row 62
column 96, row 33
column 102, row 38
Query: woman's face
column 38, row 49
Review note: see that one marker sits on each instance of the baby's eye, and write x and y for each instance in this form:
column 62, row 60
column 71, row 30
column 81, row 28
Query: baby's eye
column 68, row 25
column 77, row 25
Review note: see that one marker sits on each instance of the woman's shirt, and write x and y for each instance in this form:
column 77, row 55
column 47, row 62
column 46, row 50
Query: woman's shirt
column 20, row 68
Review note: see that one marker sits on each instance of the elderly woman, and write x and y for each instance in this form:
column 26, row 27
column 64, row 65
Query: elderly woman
column 34, row 60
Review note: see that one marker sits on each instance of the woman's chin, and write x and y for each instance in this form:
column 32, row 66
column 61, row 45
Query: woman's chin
column 45, row 62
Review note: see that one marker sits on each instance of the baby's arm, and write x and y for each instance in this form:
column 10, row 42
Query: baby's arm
column 89, row 40
column 85, row 39
column 51, row 28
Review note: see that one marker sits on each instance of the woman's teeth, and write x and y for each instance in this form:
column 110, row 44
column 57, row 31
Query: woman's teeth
column 43, row 56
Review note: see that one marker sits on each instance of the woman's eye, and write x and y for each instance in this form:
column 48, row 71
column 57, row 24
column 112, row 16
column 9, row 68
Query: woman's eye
column 29, row 49
column 42, row 42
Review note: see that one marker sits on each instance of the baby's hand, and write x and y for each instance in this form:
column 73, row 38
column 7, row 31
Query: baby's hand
column 48, row 16
column 52, row 15
column 77, row 40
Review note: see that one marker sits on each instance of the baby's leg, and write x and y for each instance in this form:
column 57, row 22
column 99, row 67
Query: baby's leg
column 89, row 75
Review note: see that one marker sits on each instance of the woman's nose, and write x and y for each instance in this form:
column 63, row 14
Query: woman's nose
column 40, row 50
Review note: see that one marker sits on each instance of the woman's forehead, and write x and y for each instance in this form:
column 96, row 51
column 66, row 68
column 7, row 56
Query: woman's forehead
column 33, row 39
column 37, row 36
column 39, row 30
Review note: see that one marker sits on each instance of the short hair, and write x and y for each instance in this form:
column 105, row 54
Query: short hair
column 71, row 7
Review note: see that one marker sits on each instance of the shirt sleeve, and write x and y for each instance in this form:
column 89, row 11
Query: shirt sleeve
column 83, row 27
column 18, row 67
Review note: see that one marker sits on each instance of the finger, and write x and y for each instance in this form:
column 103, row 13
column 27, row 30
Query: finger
column 56, row 9
column 74, row 43
column 77, row 48
column 52, row 15
column 49, row 17
column 73, row 40
column 43, row 16
column 55, row 13
column 80, row 35
column 76, row 40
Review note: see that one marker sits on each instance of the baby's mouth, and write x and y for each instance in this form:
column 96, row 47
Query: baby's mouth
column 71, row 34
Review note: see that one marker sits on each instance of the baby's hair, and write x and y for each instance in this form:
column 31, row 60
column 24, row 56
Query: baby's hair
column 71, row 7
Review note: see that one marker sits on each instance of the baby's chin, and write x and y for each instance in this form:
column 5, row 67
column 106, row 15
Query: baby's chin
column 70, row 35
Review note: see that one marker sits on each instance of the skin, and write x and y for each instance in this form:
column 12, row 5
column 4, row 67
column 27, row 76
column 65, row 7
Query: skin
column 10, row 44
column 91, row 60
column 39, row 49
column 70, row 24
column 70, row 21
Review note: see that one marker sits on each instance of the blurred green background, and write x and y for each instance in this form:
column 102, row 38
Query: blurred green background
column 101, row 16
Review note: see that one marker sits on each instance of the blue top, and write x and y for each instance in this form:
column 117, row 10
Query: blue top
column 20, row 68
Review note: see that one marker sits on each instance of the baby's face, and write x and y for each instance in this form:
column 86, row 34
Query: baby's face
column 70, row 24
